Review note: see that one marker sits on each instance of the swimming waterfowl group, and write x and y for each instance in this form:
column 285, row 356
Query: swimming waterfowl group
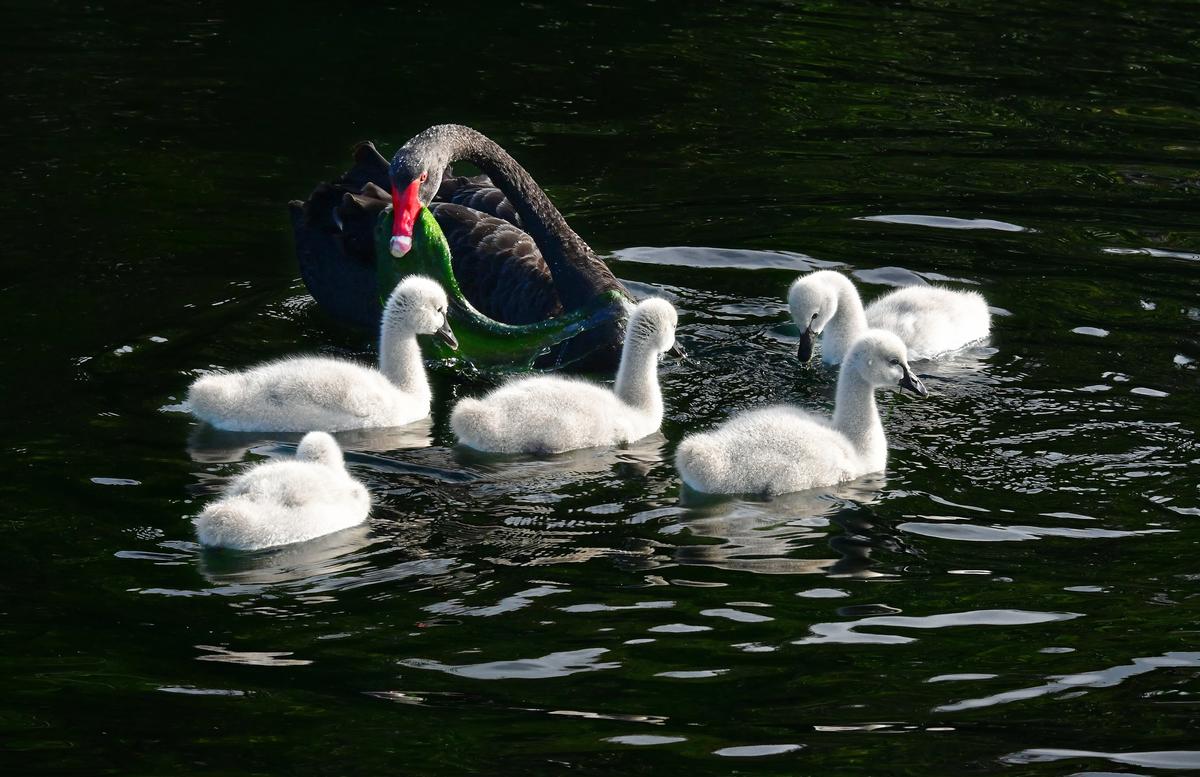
column 513, row 255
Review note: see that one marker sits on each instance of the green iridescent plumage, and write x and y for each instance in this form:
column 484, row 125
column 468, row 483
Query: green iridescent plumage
column 482, row 342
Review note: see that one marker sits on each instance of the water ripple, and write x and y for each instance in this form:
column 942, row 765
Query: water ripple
column 1157, row 759
column 551, row 665
column 845, row 632
column 1101, row 678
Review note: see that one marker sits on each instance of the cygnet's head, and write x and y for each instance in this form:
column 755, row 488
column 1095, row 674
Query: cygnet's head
column 813, row 300
column 881, row 359
column 418, row 304
column 653, row 323
column 320, row 448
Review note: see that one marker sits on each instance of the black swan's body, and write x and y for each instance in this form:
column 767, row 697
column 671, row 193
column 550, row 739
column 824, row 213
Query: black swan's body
column 514, row 256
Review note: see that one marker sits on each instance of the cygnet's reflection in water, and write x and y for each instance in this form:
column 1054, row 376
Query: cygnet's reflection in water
column 209, row 445
column 361, row 556
column 318, row 559
column 542, row 510
column 633, row 460
column 766, row 536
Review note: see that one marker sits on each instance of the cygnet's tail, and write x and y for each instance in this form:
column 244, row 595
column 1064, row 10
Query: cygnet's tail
column 475, row 423
column 230, row 523
column 212, row 397
column 702, row 463
column 320, row 447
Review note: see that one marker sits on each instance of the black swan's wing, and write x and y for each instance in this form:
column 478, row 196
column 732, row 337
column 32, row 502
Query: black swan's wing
column 333, row 230
column 498, row 266
column 477, row 193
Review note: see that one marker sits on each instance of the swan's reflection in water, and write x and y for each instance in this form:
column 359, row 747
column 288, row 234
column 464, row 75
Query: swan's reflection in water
column 780, row 536
column 209, row 445
column 542, row 510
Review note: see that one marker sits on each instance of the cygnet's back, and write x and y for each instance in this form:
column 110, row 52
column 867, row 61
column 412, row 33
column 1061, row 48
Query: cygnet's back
column 545, row 414
column 772, row 450
column 281, row 502
column 931, row 320
column 550, row 414
column 301, row 393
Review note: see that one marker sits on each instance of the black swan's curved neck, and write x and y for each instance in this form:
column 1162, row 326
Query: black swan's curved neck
column 578, row 272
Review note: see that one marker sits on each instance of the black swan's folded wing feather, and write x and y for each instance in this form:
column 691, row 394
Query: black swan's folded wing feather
column 478, row 193
column 498, row 266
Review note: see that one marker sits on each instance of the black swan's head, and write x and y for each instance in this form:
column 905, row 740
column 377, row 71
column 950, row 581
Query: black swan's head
column 416, row 175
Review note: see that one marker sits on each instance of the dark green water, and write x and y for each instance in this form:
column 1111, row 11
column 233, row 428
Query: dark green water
column 1017, row 595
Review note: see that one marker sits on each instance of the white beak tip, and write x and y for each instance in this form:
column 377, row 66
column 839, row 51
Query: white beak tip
column 400, row 245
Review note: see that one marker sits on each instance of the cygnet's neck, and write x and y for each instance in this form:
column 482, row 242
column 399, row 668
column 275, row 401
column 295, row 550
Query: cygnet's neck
column 400, row 358
column 847, row 324
column 855, row 414
column 637, row 377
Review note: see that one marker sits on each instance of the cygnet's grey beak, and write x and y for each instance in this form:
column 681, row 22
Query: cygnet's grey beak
column 913, row 383
column 677, row 351
column 804, row 351
column 446, row 335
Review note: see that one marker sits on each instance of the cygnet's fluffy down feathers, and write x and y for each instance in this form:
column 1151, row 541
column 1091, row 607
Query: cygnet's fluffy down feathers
column 931, row 320
column 281, row 502
column 777, row 450
column 309, row 392
column 547, row 414
column 773, row 450
column 302, row 393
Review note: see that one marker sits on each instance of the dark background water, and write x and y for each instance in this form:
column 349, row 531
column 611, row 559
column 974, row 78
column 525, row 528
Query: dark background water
column 1017, row 595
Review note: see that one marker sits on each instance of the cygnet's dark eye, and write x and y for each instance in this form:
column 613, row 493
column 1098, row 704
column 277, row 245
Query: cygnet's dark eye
column 895, row 362
column 814, row 318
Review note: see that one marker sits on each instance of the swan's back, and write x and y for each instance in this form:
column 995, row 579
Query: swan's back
column 544, row 414
column 280, row 502
column 931, row 320
column 299, row 394
column 773, row 450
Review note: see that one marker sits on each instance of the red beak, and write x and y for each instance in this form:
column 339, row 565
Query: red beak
column 404, row 215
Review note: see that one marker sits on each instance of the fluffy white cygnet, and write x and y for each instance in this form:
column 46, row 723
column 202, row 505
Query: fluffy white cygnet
column 777, row 450
column 313, row 392
column 546, row 414
column 280, row 502
column 929, row 319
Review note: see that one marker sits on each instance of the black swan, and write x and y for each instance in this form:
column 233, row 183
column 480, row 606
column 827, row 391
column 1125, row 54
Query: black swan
column 525, row 289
